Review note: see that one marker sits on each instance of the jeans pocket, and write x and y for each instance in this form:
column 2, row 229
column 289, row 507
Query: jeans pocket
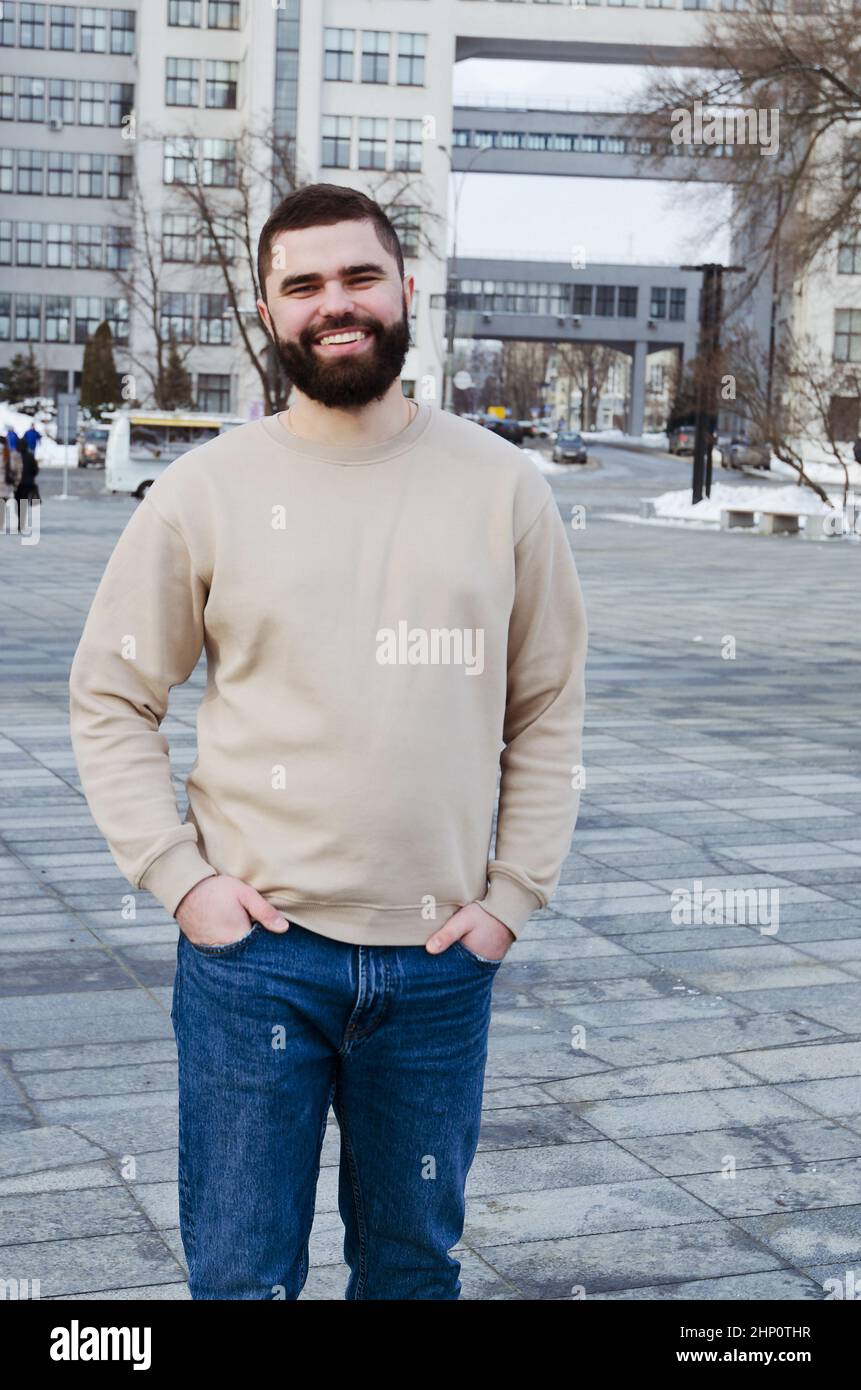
column 229, row 948
column 484, row 961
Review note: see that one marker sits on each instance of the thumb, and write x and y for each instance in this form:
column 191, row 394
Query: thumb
column 262, row 911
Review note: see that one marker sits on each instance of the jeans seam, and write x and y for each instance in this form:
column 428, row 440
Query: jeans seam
column 357, row 1198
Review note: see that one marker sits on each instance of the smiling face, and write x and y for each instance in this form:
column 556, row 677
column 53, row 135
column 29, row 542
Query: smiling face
column 337, row 312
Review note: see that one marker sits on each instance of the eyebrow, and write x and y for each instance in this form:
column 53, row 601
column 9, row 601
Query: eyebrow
column 289, row 282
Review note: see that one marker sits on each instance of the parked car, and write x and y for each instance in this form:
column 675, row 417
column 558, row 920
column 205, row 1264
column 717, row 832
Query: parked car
column 742, row 453
column 681, row 440
column 92, row 446
column 542, row 428
column 569, row 448
column 507, row 429
column 528, row 427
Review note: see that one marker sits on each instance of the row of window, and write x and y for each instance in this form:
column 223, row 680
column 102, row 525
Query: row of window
column 183, row 84
column 79, row 246
column 769, row 6
column 375, row 53
column 188, row 14
column 569, row 142
column 373, row 143
column 63, row 99
column 593, row 301
column 61, row 318
column 62, row 174
column 67, row 28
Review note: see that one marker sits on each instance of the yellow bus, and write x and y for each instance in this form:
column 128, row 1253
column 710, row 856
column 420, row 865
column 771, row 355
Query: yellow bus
column 142, row 443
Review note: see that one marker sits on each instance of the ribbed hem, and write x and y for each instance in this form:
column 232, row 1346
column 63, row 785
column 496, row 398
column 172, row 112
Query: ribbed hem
column 365, row 925
column 510, row 902
column 174, row 873
column 396, row 444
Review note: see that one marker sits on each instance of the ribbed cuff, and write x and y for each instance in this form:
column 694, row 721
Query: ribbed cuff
column 510, row 902
column 174, row 873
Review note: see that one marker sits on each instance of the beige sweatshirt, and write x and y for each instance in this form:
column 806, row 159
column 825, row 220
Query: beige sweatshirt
column 380, row 623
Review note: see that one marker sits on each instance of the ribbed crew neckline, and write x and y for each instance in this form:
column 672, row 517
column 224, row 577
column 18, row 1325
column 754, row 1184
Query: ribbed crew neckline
column 398, row 443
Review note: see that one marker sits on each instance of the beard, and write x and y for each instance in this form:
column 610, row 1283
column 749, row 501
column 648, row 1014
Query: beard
column 352, row 380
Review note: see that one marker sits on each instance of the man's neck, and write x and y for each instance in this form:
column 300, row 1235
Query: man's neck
column 370, row 424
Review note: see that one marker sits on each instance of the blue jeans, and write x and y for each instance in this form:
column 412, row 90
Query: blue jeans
column 270, row 1031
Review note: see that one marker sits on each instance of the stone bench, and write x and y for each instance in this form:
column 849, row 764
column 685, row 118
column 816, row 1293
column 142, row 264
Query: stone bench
column 772, row 524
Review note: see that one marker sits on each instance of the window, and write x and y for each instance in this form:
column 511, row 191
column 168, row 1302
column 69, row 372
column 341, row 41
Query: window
column 62, row 27
column 213, row 392
column 583, row 299
column 122, row 31
column 183, row 14
column 849, row 254
column 337, row 136
column 122, row 100
column 182, row 82
column 627, row 301
column 28, row 318
column 6, row 171
column 61, row 100
column 658, row 303
column 28, row 243
column 605, row 301
column 179, row 160
column 31, row 98
column 847, row 335
column 31, row 34
column 373, row 136
column 30, row 171
column 58, row 318
column 61, row 172
column 224, row 233
column 91, row 175
column 407, row 223
column 119, row 175
column 91, row 103
column 411, row 60
column 93, row 31
column 677, row 304
column 118, row 248
column 7, row 25
column 214, row 322
column 338, row 55
column 117, row 319
column 5, row 316
column 223, row 14
column 177, row 237
column 7, row 98
column 58, row 244
column 408, row 144
column 177, row 315
column 88, row 247
column 221, row 79
column 5, row 243
column 375, row 55
column 219, row 163
column 88, row 316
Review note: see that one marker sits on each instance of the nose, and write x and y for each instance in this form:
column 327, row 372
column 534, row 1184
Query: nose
column 336, row 300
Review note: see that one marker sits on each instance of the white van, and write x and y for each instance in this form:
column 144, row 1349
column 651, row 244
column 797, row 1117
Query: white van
column 142, row 443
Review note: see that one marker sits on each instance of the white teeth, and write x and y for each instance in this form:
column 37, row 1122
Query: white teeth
column 343, row 337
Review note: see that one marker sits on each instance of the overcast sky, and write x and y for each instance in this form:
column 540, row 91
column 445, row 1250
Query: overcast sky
column 629, row 219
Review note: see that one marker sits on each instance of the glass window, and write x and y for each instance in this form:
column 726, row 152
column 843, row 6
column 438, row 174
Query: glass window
column 223, row 14
column 122, row 100
column 61, row 100
column 220, row 242
column 221, row 80
column 182, row 82
column 31, row 98
column 91, row 103
column 31, row 33
column 62, row 27
column 119, row 175
column 219, row 163
column 407, row 224
column 28, row 318
column 8, row 14
column 91, row 175
column 605, row 301
column 338, row 55
column 122, row 31
column 58, row 318
column 177, row 315
column 677, row 304
column 583, row 299
column 408, row 145
column 375, row 55
column 58, row 244
column 7, row 97
column 6, row 171
column 411, row 60
column 849, row 254
column 847, row 335
column 5, row 243
column 28, row 243
column 214, row 321
column 88, row 316
column 88, row 247
column 213, row 392
column 118, row 248
column 337, row 134
column 627, row 301
column 5, row 317
column 658, row 303
column 93, row 30
column 180, row 153
column 30, row 171
column 183, row 14
column 373, row 135
column 117, row 319
column 178, row 237
column 61, row 172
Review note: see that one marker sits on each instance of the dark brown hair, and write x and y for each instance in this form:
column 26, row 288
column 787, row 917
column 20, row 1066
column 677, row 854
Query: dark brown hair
column 321, row 205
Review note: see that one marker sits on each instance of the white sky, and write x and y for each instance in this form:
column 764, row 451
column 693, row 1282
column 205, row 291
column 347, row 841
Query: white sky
column 627, row 219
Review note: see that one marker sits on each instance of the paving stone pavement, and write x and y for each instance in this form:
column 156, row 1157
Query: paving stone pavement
column 672, row 1108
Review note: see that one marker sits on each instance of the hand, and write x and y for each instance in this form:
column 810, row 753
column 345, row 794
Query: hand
column 219, row 910
column 478, row 929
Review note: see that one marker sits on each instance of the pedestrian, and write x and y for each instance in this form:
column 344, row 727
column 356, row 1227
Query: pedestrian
column 27, row 489
column 387, row 597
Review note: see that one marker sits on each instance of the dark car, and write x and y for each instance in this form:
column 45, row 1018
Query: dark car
column 511, row 430
column 92, row 445
column 569, row 448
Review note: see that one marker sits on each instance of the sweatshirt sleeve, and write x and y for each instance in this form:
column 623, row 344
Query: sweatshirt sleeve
column 143, row 635
column 539, row 793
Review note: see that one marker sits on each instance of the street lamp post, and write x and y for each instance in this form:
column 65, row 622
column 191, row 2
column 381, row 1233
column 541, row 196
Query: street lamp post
column 711, row 312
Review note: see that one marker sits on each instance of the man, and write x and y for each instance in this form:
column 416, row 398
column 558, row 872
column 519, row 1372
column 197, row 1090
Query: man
column 27, row 489
column 387, row 597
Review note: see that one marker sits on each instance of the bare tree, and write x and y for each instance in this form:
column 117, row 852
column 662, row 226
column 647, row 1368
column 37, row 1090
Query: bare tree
column 588, row 366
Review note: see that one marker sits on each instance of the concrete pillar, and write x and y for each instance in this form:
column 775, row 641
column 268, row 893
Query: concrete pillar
column 637, row 402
